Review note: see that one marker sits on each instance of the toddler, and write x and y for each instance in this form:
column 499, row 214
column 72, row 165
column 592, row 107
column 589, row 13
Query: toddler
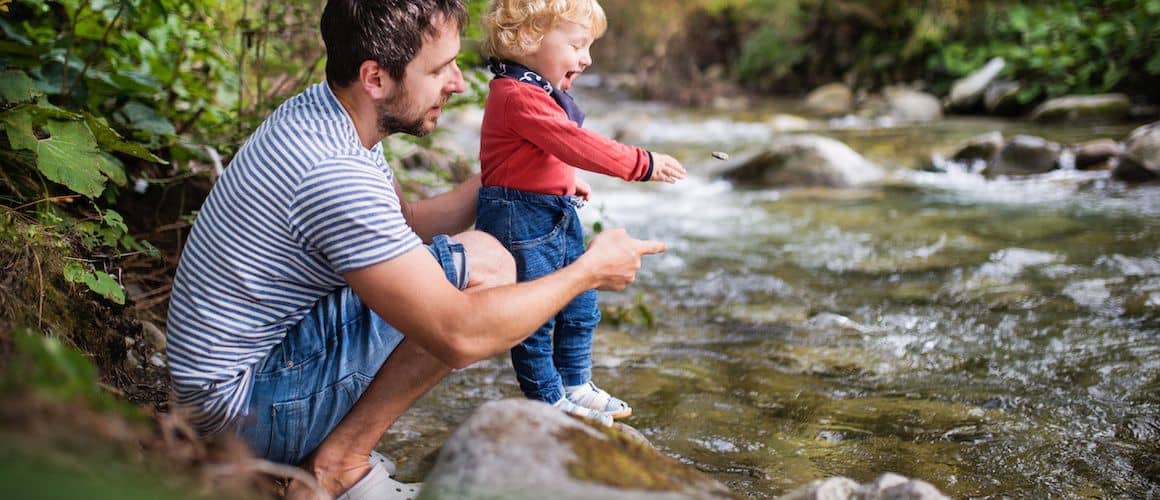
column 532, row 142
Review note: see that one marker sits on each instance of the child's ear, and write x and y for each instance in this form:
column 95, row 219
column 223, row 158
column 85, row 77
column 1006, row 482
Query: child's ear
column 375, row 80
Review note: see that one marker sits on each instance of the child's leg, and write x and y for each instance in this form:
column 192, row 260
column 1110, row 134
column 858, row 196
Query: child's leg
column 532, row 360
column 573, row 336
column 573, row 342
column 573, row 357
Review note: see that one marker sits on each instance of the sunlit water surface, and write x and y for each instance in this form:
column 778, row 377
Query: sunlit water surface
column 992, row 337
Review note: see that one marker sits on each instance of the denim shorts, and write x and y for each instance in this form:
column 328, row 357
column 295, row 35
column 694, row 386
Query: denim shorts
column 308, row 383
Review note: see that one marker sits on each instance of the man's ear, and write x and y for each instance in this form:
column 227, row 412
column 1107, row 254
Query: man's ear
column 375, row 81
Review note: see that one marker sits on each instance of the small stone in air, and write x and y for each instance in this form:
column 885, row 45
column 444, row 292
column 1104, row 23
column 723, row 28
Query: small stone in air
column 720, row 155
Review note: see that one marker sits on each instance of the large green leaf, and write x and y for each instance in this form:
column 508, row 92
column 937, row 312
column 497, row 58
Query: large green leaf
column 15, row 86
column 70, row 157
column 143, row 117
column 18, row 126
column 110, row 140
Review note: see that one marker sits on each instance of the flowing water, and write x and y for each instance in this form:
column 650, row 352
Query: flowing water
column 992, row 337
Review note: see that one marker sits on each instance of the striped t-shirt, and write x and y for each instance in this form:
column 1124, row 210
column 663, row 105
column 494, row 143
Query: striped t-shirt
column 302, row 202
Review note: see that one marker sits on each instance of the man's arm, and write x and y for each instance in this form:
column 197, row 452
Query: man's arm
column 449, row 213
column 459, row 328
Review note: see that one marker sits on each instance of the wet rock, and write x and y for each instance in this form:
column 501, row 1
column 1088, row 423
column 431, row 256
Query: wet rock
column 1025, row 155
column 1103, row 107
column 518, row 448
column 1100, row 154
column 1141, row 157
column 982, row 147
column 803, row 160
column 830, row 100
column 788, row 123
column 888, row 486
column 911, row 105
column 967, row 92
column 1002, row 98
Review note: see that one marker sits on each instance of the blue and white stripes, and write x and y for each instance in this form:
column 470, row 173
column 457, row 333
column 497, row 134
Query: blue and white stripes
column 302, row 202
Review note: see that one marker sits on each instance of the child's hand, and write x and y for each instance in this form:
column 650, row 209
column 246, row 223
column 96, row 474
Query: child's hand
column 666, row 169
column 583, row 189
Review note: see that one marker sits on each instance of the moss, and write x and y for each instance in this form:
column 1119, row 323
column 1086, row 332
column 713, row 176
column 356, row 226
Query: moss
column 620, row 461
column 34, row 293
column 32, row 290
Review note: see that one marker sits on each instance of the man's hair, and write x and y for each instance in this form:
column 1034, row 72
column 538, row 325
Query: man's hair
column 389, row 32
column 515, row 27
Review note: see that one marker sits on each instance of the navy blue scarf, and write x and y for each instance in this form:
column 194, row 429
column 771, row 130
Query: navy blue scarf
column 521, row 73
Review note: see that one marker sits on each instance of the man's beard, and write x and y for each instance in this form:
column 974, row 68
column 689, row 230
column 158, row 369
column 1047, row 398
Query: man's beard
column 391, row 122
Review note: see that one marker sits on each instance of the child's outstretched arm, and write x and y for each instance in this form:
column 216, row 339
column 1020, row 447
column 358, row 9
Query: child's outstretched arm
column 666, row 168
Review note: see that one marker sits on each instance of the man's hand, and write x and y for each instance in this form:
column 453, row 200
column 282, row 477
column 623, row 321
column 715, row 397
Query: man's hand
column 613, row 258
column 666, row 169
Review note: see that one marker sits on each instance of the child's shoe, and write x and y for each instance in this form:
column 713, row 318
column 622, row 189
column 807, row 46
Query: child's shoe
column 594, row 398
column 580, row 411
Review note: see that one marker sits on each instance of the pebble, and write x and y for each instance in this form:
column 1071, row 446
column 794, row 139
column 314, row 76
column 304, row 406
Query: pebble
column 720, row 155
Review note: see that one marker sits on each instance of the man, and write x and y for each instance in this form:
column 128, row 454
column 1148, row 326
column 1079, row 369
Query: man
column 307, row 312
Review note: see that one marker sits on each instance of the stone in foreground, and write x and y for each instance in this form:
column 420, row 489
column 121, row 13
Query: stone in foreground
column 516, row 449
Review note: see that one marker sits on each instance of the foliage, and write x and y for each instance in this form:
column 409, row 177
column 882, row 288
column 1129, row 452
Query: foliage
column 53, row 371
column 1084, row 47
column 1053, row 47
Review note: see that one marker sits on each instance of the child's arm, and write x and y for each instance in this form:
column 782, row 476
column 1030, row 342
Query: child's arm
column 538, row 119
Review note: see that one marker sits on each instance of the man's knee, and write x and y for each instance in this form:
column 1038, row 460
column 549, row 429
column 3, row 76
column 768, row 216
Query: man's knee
column 488, row 262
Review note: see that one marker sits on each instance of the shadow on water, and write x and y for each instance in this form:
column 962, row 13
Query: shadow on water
column 993, row 337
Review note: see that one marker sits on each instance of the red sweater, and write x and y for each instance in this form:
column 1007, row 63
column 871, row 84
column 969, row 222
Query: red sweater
column 528, row 143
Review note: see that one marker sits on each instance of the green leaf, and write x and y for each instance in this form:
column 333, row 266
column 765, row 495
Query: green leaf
column 1153, row 67
column 112, row 168
column 44, row 110
column 104, row 285
column 142, row 117
column 16, row 86
column 115, row 221
column 75, row 272
column 136, row 83
column 70, row 157
column 18, row 126
column 110, row 140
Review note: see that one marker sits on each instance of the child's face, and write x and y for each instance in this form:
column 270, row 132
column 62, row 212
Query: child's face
column 562, row 54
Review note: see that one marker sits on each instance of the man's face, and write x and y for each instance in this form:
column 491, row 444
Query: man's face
column 428, row 82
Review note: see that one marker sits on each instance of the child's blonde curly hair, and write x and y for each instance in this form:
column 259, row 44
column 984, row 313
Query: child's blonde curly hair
column 514, row 28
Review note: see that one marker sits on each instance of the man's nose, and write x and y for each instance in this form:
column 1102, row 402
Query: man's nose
column 456, row 85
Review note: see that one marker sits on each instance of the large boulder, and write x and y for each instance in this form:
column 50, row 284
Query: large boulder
column 1141, row 158
column 803, row 161
column 831, row 99
column 1102, row 107
column 1025, row 155
column 518, row 448
column 967, row 92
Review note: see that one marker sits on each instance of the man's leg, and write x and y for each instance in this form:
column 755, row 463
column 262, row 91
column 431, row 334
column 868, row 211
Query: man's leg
column 408, row 373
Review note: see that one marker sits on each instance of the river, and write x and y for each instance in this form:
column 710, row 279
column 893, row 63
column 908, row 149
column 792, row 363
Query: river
column 992, row 337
